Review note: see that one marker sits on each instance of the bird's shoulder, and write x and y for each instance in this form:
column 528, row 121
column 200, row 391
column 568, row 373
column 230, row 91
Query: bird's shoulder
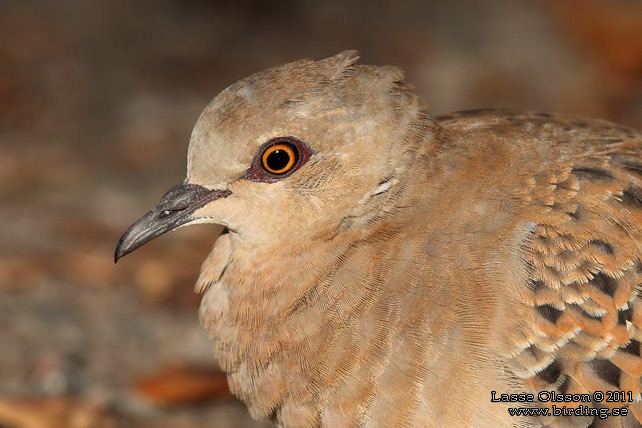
column 583, row 255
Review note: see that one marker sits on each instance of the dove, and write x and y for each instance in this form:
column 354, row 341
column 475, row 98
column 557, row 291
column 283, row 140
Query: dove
column 380, row 267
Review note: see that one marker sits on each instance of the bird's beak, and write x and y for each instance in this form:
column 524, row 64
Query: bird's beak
column 175, row 209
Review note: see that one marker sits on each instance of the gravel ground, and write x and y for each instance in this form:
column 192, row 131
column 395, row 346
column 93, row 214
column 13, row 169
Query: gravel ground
column 97, row 101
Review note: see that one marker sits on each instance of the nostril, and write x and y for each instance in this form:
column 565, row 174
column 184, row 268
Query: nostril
column 167, row 212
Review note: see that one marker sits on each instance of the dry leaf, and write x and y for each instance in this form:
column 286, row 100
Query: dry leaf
column 180, row 385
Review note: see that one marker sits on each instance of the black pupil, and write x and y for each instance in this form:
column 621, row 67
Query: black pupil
column 277, row 160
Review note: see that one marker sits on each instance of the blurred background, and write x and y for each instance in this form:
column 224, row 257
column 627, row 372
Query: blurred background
column 97, row 101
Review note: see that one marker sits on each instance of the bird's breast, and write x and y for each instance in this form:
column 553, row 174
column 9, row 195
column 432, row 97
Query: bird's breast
column 348, row 328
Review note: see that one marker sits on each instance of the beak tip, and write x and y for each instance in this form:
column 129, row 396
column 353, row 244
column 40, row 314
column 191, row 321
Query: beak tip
column 121, row 250
column 118, row 254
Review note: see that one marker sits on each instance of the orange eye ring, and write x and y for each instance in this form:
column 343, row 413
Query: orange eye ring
column 279, row 158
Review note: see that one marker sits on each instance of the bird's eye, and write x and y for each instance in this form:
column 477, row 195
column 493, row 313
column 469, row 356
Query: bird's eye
column 279, row 158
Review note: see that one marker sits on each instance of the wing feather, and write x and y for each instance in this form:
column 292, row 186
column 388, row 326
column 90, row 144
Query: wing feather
column 585, row 271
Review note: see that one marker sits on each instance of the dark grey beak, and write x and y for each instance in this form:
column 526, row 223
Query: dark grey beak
column 174, row 209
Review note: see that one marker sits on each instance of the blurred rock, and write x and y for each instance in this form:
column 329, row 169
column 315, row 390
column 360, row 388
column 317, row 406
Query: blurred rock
column 52, row 413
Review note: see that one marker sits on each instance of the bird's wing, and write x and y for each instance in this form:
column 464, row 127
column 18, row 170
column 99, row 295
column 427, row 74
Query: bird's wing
column 584, row 260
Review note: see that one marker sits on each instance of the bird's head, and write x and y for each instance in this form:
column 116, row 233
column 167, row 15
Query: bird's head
column 297, row 150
